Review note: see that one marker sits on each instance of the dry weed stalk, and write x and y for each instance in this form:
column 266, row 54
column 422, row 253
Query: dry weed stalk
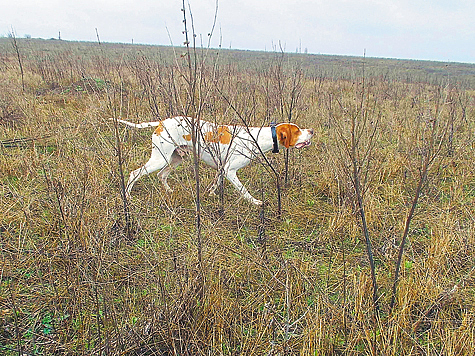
column 16, row 48
column 433, row 140
column 104, row 65
column 282, row 98
column 197, row 95
column 356, row 142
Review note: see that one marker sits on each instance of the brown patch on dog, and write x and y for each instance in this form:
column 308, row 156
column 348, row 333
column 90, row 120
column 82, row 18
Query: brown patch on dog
column 159, row 129
column 225, row 136
column 288, row 134
column 221, row 135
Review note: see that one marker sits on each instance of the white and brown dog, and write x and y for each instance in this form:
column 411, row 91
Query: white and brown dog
column 221, row 146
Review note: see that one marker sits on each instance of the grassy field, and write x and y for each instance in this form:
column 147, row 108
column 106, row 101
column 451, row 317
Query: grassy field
column 85, row 271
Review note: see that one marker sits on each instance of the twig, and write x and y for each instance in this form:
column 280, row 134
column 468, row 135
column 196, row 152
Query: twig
column 439, row 302
column 432, row 152
column 17, row 51
column 254, row 139
column 120, row 164
column 194, row 125
column 22, row 141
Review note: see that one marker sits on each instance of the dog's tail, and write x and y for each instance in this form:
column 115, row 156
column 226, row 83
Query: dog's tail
column 138, row 126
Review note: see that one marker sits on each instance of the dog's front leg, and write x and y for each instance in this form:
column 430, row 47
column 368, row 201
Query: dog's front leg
column 232, row 177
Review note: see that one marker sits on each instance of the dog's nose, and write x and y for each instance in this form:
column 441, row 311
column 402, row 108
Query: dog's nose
column 310, row 131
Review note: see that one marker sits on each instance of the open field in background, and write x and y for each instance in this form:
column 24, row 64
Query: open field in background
column 327, row 66
column 77, row 279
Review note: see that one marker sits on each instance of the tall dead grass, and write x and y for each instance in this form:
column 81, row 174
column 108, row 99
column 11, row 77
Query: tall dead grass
column 73, row 282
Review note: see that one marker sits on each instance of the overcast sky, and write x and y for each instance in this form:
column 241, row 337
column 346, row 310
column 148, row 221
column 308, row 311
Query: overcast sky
column 441, row 30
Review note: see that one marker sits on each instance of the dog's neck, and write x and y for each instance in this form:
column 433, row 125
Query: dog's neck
column 263, row 135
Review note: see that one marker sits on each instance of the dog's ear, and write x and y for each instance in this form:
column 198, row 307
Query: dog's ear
column 284, row 135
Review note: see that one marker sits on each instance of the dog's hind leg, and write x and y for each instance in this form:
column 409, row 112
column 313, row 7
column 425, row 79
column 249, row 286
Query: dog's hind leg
column 175, row 160
column 158, row 160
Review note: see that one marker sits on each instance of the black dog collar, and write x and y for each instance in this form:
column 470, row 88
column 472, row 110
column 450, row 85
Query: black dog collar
column 274, row 138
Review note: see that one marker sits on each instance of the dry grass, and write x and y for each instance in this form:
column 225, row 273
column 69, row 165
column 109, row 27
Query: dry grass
column 73, row 282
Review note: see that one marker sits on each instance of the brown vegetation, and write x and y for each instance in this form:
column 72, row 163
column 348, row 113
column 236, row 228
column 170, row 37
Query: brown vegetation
column 86, row 271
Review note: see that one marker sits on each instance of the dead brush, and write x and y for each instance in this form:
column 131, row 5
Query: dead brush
column 71, row 282
column 11, row 116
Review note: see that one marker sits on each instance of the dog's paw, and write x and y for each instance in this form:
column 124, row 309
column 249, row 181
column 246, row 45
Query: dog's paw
column 257, row 202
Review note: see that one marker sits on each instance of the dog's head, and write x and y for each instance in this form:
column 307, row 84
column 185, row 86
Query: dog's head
column 292, row 136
